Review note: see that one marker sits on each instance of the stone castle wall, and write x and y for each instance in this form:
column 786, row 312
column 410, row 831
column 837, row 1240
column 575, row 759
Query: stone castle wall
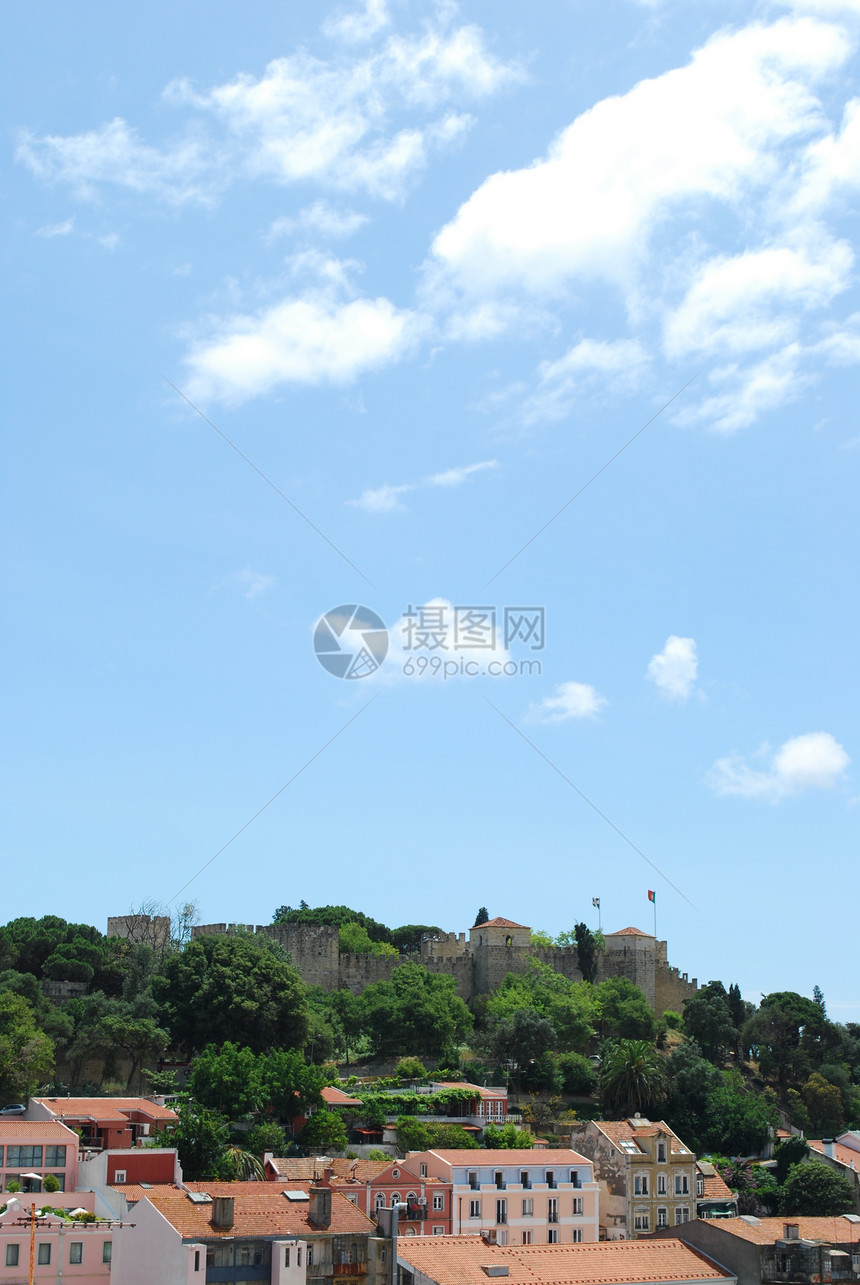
column 476, row 968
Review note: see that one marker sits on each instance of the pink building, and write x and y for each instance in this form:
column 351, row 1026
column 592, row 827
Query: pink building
column 31, row 1149
column 62, row 1248
column 106, row 1123
column 515, row 1197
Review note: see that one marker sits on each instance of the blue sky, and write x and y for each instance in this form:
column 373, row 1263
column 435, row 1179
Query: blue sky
column 429, row 267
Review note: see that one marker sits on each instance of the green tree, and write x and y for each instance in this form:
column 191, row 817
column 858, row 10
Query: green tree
column 242, row 1166
column 823, row 1101
column 578, row 1074
column 408, row 937
column 625, row 1012
column 571, row 1007
column 200, row 1137
column 451, row 1137
column 815, row 1190
column 691, row 1079
column 586, row 951
column 632, row 1078
column 739, row 1121
column 325, row 1132
column 354, row 939
column 410, row 1068
column 26, row 1052
column 266, row 1137
column 333, row 915
column 415, row 1012
column 708, row 1020
column 227, row 1080
column 793, row 1151
column 482, row 917
column 412, row 1135
column 290, row 1087
column 507, row 1137
column 349, row 1012
column 139, row 1038
column 521, row 1039
column 785, row 1034
column 233, row 988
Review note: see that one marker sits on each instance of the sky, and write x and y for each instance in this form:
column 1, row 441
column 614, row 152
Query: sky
column 519, row 346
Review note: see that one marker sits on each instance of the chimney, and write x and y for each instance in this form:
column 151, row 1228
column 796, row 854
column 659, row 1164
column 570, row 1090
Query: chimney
column 319, row 1211
column 791, row 1231
column 328, row 1174
column 222, row 1211
column 829, row 1147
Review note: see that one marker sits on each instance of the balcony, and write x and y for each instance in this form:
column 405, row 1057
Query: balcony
column 349, row 1269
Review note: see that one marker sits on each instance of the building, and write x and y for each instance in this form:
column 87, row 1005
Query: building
column 105, row 1123
column 714, row 1199
column 64, row 1249
column 521, row 1197
column 31, row 1149
column 479, row 964
column 843, row 1155
column 647, row 1176
column 773, row 1251
column 372, row 1185
column 470, row 1260
column 286, row 1233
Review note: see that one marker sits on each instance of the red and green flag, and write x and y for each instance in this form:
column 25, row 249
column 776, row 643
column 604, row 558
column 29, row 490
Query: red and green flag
column 652, row 896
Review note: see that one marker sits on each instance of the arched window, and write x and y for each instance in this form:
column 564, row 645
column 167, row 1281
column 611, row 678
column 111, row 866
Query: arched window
column 379, row 1202
column 395, row 1198
column 412, row 1195
column 509, row 941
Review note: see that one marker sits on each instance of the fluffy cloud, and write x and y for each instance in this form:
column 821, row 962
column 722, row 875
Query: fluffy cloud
column 386, row 499
column 56, row 229
column 814, row 761
column 457, row 476
column 707, row 131
column 321, row 219
column 674, row 669
column 570, row 700
column 315, row 338
column 305, row 118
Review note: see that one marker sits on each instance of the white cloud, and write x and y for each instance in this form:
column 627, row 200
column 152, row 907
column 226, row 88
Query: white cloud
column 616, row 364
column 322, row 219
column 382, row 499
column 674, row 669
column 705, row 132
column 313, row 338
column 361, row 24
column 430, row 636
column 831, row 164
column 252, row 583
column 814, row 761
column 570, row 700
column 751, row 390
column 457, row 476
column 56, row 229
column 110, row 240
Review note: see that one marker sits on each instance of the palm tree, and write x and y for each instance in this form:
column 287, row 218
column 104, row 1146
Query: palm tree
column 248, row 1168
column 632, row 1077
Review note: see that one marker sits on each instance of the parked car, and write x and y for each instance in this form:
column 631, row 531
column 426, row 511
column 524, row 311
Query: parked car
column 15, row 1108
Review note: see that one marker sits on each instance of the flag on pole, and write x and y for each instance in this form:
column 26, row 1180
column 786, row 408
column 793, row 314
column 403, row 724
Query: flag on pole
column 595, row 901
column 652, row 896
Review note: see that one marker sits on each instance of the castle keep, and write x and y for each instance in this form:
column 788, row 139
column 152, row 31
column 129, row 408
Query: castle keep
column 479, row 964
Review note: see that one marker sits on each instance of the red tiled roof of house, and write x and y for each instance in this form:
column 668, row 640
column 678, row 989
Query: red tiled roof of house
column 715, row 1188
column 336, row 1097
column 623, row 1130
column 766, row 1231
column 460, row 1260
column 133, row 1190
column 105, row 1108
column 498, row 922
column 630, row 932
column 47, row 1130
column 845, row 1155
column 259, row 1209
column 305, row 1169
column 515, row 1156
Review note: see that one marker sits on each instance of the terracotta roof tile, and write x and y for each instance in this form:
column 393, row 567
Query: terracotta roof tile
column 630, row 932
column 460, row 1260
column 498, row 922
column 336, row 1097
column 305, row 1169
column 845, row 1155
column 105, row 1108
column 550, row 1158
column 623, row 1130
column 260, row 1209
column 38, row 1130
column 769, row 1230
column 715, row 1188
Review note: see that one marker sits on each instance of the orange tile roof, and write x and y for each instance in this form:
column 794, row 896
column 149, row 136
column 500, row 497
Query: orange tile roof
column 515, row 1156
column 498, row 922
column 105, row 1108
column 460, row 1260
column 769, row 1230
column 133, row 1190
column 715, row 1188
column 260, row 1209
column 623, row 1130
column 336, row 1097
column 305, row 1169
column 630, row 932
column 845, row 1155
column 53, row 1130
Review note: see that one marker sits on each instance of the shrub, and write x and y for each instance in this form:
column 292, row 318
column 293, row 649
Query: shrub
column 51, row 1183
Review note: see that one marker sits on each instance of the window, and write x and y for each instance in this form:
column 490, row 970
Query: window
column 661, row 1184
column 310, row 1255
column 700, row 1186
column 552, row 1211
column 552, row 1236
column 107, row 1249
column 682, row 1215
column 662, row 1218
column 576, row 1235
column 423, row 1171
column 395, row 1173
column 11, row 1255
column 501, row 1211
column 501, row 1238
column 55, row 1156
column 550, row 1179
column 577, row 1205
column 395, row 1198
column 661, row 1153
column 574, row 1178
column 353, row 1200
column 474, row 1209
column 119, row 1176
column 1, row 1155
column 379, row 1200
column 76, row 1252
column 411, row 1197
column 286, row 1258
column 527, row 1237
column 525, row 1180
column 473, row 1180
column 197, row 1260
column 641, row 1222
column 439, row 1201
column 43, row 1254
column 640, row 1184
column 438, row 1231
column 23, row 1157
column 500, row 1180
column 298, row 1258
column 528, row 1207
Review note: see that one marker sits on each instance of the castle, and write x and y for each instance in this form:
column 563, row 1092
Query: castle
column 479, row 964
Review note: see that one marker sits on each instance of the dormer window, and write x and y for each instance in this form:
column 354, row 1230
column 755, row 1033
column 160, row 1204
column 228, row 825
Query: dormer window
column 661, row 1153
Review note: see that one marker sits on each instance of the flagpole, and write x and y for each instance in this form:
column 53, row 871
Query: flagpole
column 655, row 916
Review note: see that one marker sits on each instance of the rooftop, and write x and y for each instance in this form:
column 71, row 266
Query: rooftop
column 38, row 1130
column 506, row 1158
column 498, row 922
column 336, row 1097
column 260, row 1209
column 845, row 1155
column 115, row 1109
column 766, row 1231
column 715, row 1187
column 461, row 1260
column 630, row 932
column 632, row 1130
